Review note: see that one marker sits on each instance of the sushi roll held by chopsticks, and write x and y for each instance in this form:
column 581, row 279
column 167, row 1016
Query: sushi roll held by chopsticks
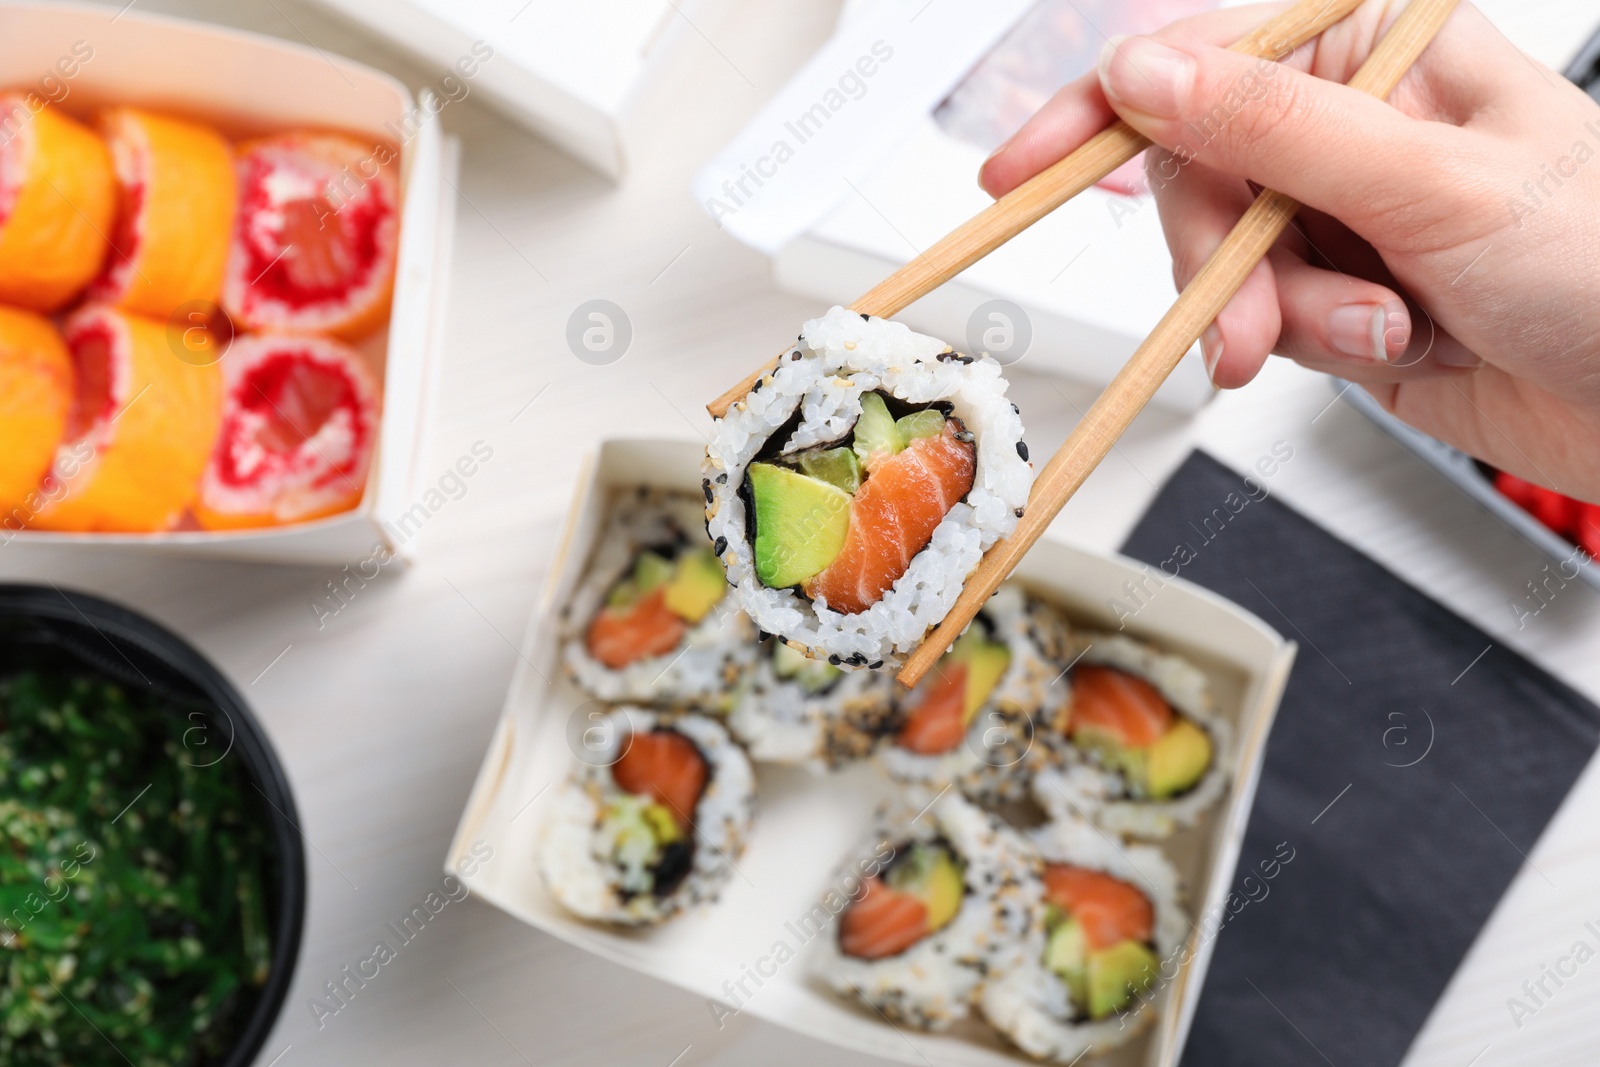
column 853, row 490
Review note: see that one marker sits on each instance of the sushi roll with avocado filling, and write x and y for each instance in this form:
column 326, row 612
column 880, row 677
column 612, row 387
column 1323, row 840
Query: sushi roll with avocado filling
column 790, row 709
column 655, row 619
column 953, row 903
column 1141, row 750
column 853, row 490
column 1096, row 966
column 653, row 825
column 972, row 720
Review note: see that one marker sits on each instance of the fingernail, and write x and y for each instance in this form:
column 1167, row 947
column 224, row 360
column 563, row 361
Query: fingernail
column 1211, row 350
column 1145, row 75
column 1370, row 331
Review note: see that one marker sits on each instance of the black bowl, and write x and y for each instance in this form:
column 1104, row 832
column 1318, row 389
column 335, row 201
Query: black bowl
column 51, row 629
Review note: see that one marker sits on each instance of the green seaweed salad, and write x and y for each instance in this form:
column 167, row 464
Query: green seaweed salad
column 133, row 926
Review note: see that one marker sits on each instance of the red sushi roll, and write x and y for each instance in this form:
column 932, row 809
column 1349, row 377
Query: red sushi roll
column 299, row 423
column 316, row 237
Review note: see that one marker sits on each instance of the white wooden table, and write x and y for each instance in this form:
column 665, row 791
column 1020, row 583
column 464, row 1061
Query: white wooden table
column 383, row 714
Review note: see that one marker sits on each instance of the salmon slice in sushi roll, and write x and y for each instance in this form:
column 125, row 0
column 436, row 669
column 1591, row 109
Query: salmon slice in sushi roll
column 972, row 720
column 1110, row 940
column 655, row 619
column 853, row 490
column 651, row 821
column 790, row 709
column 1139, row 747
column 954, row 895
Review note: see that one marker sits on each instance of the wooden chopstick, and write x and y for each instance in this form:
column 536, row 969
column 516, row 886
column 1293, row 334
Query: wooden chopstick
column 1199, row 304
column 1050, row 188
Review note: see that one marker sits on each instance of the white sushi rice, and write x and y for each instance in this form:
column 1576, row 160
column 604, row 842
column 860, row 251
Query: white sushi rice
column 840, row 357
column 1030, row 1003
column 706, row 665
column 1076, row 785
column 780, row 721
column 579, row 858
column 933, row 983
column 991, row 765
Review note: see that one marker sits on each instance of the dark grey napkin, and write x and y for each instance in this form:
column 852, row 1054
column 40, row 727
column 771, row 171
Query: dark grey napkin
column 1411, row 768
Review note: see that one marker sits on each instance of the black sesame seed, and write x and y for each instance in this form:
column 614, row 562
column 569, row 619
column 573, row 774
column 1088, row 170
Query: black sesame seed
column 875, row 664
column 795, row 355
column 1018, row 513
column 721, row 546
column 705, row 485
column 1016, row 409
column 1022, row 450
column 756, row 388
column 722, row 479
column 864, row 316
column 834, row 660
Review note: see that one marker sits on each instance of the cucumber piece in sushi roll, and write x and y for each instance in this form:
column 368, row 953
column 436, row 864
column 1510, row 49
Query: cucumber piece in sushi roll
column 1098, row 964
column 852, row 492
column 651, row 822
column 954, row 902
column 655, row 619
column 1141, row 750
column 972, row 720
column 790, row 709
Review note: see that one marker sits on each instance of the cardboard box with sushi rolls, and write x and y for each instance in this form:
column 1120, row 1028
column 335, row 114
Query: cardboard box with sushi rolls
column 222, row 271
column 757, row 915
column 573, row 71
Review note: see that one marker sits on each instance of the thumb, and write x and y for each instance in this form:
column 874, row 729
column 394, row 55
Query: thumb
column 1331, row 147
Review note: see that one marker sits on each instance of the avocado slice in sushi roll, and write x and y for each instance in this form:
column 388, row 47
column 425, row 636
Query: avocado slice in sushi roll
column 1126, row 724
column 1098, row 937
column 917, row 895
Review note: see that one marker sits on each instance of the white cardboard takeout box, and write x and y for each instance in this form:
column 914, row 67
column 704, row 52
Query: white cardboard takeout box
column 806, row 823
column 248, row 84
column 573, row 71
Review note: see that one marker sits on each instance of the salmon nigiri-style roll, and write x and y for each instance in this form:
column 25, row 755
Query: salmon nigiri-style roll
column 176, row 203
column 971, row 722
column 938, row 900
column 58, row 197
column 1138, row 746
column 139, row 429
column 299, row 423
column 654, row 619
column 1096, row 969
column 853, row 490
column 317, row 236
column 652, row 819
column 35, row 393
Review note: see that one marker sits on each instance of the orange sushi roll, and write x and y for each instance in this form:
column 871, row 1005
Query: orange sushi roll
column 35, row 393
column 58, row 198
column 176, row 201
column 299, row 422
column 139, row 430
column 315, row 243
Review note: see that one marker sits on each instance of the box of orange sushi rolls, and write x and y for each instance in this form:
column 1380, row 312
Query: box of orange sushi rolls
column 757, row 898
column 222, row 263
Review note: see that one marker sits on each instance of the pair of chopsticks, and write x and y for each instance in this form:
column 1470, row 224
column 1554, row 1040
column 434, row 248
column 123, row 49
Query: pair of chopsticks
column 1196, row 307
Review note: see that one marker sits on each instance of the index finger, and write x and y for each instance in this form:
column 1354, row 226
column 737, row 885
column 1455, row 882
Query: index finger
column 1079, row 110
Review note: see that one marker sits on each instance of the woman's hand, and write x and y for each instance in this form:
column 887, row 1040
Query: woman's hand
column 1448, row 256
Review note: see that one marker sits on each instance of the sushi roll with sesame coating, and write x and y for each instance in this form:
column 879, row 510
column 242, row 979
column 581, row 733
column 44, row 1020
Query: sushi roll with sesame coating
column 854, row 489
column 654, row 620
column 952, row 903
column 651, row 820
column 790, row 709
column 1139, row 748
column 972, row 720
column 1111, row 938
